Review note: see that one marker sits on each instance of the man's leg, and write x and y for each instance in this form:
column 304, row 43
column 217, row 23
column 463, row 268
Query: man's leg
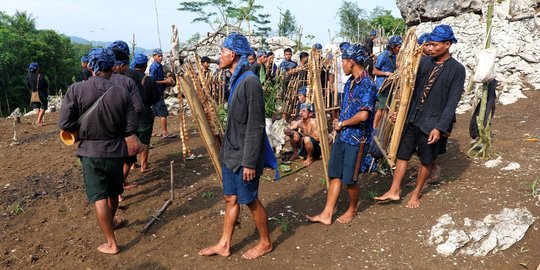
column 309, row 150
column 41, row 112
column 325, row 217
column 423, row 171
column 295, row 140
column 164, row 130
column 104, row 217
column 395, row 189
column 353, row 191
column 144, row 160
column 223, row 247
column 261, row 222
column 377, row 118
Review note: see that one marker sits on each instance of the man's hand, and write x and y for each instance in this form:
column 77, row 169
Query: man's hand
column 336, row 125
column 249, row 174
column 393, row 117
column 434, row 136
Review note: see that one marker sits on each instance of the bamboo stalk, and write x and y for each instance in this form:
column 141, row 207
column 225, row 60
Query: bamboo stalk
column 199, row 116
column 320, row 111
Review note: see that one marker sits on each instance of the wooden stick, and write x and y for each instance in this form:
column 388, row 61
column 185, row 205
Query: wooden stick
column 172, row 181
column 156, row 217
column 320, row 111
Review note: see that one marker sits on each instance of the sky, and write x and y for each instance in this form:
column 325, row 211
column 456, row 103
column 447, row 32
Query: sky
column 109, row 20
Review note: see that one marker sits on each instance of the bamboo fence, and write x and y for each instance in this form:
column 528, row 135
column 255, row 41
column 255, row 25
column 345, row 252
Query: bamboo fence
column 401, row 85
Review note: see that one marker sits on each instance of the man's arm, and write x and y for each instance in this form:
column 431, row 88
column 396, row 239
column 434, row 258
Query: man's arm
column 314, row 129
column 69, row 113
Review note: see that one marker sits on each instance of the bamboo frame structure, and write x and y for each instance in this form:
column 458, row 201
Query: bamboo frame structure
column 401, row 88
column 316, row 87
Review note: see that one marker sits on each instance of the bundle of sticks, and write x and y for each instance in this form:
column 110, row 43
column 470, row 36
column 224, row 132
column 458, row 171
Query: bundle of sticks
column 401, row 84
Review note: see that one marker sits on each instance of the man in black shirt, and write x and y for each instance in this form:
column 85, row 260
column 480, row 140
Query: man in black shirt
column 101, row 130
column 242, row 154
column 437, row 91
column 36, row 82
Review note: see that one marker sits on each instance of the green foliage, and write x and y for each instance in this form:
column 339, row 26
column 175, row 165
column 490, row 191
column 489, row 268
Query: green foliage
column 356, row 24
column 322, row 181
column 287, row 24
column 383, row 19
column 283, row 223
column 16, row 209
column 535, row 187
column 271, row 88
column 208, row 195
column 21, row 44
column 193, row 39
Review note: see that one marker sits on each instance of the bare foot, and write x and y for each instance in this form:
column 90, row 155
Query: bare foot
column 413, row 203
column 347, row 217
column 307, row 162
column 118, row 222
column 215, row 250
column 146, row 169
column 319, row 218
column 131, row 185
column 257, row 251
column 388, row 197
column 105, row 248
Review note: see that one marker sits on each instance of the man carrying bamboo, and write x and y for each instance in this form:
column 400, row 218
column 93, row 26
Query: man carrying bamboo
column 354, row 128
column 437, row 91
column 242, row 154
column 100, row 112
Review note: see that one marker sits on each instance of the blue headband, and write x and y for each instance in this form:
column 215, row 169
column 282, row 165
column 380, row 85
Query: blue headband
column 33, row 66
column 317, row 46
column 261, row 53
column 302, row 90
column 355, row 52
column 442, row 33
column 344, row 45
column 156, row 51
column 307, row 106
column 84, row 59
column 423, row 38
column 140, row 59
column 240, row 46
column 395, row 40
column 373, row 33
column 100, row 59
column 119, row 45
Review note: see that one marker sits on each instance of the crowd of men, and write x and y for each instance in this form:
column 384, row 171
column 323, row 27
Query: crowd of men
column 119, row 100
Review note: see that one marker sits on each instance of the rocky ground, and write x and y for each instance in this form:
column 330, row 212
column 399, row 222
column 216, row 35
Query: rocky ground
column 46, row 222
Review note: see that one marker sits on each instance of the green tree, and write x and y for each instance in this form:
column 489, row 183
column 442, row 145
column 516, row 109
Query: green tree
column 353, row 21
column 383, row 19
column 287, row 24
column 212, row 12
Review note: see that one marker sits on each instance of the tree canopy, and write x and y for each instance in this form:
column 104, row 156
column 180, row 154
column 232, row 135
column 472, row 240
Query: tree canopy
column 20, row 44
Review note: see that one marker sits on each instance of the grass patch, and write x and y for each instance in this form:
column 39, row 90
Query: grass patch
column 208, row 195
column 322, row 181
column 16, row 209
column 282, row 222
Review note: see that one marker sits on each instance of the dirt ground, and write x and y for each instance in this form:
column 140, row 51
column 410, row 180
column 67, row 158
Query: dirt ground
column 46, row 222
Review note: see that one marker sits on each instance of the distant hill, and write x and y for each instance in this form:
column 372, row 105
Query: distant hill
column 104, row 44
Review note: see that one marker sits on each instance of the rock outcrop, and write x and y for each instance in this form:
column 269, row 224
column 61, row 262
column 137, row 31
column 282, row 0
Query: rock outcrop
column 515, row 35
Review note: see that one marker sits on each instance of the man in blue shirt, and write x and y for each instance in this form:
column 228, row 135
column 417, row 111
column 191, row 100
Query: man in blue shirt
column 384, row 67
column 354, row 127
column 160, row 109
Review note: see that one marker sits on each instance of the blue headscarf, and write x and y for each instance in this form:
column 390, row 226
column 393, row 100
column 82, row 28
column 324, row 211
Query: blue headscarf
column 373, row 33
column 261, row 53
column 240, row 46
column 307, row 106
column 120, row 46
column 138, row 59
column 156, row 51
column 355, row 52
column 344, row 45
column 442, row 33
column 423, row 38
column 84, row 59
column 100, row 59
column 317, row 46
column 302, row 91
column 395, row 40
column 33, row 66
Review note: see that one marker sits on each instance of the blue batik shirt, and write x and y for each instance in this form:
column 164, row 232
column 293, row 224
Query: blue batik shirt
column 286, row 65
column 156, row 71
column 386, row 62
column 361, row 97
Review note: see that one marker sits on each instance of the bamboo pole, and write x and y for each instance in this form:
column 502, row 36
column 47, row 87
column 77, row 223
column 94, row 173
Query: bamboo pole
column 320, row 111
column 197, row 112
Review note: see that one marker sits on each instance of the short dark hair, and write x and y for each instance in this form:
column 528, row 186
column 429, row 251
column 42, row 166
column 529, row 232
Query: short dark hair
column 288, row 50
column 269, row 53
column 303, row 55
column 141, row 66
column 205, row 59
